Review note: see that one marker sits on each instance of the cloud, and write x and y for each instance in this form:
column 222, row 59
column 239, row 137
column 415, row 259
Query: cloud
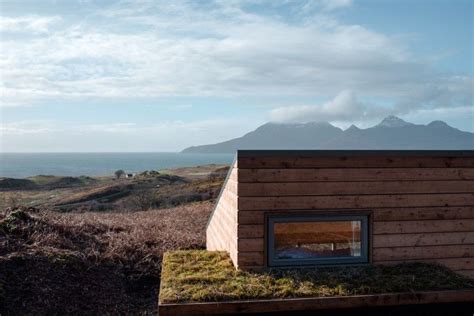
column 440, row 92
column 336, row 4
column 180, row 107
column 26, row 128
column 344, row 107
column 326, row 5
column 153, row 49
column 50, row 135
column 28, row 24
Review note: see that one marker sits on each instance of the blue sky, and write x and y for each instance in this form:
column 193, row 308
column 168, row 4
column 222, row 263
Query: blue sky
column 163, row 75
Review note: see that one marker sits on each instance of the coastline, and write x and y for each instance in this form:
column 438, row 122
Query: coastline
column 24, row 165
column 145, row 189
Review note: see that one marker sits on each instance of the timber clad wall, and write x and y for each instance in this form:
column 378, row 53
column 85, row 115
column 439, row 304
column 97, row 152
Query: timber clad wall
column 420, row 204
column 221, row 233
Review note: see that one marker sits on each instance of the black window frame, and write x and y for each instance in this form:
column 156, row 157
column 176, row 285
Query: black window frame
column 272, row 261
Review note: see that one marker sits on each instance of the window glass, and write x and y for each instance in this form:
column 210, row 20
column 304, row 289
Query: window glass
column 301, row 240
column 317, row 240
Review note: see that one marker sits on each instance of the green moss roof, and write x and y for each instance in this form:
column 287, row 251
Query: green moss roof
column 199, row 276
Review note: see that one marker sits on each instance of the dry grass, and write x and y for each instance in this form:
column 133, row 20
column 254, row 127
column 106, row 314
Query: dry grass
column 198, row 275
column 94, row 193
column 90, row 263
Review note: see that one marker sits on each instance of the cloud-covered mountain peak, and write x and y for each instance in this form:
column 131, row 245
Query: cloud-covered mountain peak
column 393, row 121
column 438, row 124
column 352, row 128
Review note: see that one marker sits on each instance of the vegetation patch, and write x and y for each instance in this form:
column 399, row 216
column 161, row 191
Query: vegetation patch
column 13, row 220
column 45, row 182
column 200, row 276
column 53, row 182
column 90, row 263
column 109, row 191
column 14, row 184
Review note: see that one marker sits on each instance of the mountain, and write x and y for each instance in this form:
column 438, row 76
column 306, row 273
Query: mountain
column 391, row 133
column 275, row 136
column 393, row 121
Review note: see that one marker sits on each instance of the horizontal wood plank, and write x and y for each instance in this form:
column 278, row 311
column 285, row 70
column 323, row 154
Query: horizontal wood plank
column 355, row 162
column 251, row 244
column 250, row 231
column 426, row 239
column 228, row 200
column 427, row 226
column 357, row 201
column 425, row 252
column 232, row 186
column 354, row 174
column 233, row 173
column 224, row 232
column 353, row 188
column 454, row 264
column 250, row 259
column 400, row 214
column 251, row 217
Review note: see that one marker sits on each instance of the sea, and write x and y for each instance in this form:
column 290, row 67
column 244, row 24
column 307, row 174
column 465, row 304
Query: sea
column 22, row 165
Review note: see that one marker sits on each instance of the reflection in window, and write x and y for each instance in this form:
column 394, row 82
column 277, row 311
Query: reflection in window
column 317, row 239
column 307, row 240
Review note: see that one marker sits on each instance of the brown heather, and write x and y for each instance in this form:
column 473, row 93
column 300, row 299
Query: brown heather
column 91, row 263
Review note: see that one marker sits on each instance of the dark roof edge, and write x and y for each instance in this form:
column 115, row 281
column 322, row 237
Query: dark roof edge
column 349, row 153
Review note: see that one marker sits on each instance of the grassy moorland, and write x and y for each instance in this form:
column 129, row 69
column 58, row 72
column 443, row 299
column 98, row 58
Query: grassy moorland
column 94, row 246
column 91, row 263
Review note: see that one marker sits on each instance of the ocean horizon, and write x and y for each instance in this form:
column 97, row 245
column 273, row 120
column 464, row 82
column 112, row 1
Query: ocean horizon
column 23, row 165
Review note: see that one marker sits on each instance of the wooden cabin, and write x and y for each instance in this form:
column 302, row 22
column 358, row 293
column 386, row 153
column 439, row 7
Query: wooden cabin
column 318, row 207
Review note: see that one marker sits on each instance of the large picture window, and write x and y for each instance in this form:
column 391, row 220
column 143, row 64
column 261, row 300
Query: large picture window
column 314, row 240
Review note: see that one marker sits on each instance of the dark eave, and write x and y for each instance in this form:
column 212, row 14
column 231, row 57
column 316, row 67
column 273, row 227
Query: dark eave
column 354, row 153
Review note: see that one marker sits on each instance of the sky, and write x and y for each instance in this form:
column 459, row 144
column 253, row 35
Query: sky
column 116, row 76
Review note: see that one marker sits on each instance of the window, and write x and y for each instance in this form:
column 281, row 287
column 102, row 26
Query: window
column 313, row 240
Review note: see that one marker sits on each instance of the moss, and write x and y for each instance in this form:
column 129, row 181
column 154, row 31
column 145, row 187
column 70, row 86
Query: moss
column 199, row 275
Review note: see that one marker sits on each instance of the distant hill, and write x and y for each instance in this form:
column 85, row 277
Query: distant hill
column 391, row 133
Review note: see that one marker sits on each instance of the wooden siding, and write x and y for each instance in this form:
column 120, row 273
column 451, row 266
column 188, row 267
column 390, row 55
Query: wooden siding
column 353, row 188
column 221, row 233
column 367, row 174
column 348, row 161
column 422, row 207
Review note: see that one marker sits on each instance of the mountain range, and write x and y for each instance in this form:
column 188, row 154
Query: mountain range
column 391, row 133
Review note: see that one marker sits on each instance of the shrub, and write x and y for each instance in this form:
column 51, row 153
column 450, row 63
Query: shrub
column 144, row 200
column 119, row 173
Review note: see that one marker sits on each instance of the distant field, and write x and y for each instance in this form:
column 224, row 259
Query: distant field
column 148, row 189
